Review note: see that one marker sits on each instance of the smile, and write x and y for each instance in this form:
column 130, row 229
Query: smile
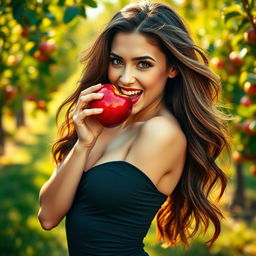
column 130, row 92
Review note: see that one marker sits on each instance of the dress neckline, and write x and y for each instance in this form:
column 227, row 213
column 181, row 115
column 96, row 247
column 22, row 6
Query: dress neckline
column 134, row 167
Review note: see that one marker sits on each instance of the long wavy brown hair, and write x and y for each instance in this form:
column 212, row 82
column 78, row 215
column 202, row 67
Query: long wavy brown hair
column 193, row 97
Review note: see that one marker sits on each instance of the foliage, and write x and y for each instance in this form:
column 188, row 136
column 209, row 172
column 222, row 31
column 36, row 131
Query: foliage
column 34, row 38
column 234, row 59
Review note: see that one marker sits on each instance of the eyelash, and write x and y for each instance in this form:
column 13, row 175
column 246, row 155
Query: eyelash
column 149, row 65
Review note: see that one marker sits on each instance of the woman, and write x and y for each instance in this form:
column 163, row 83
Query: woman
column 111, row 182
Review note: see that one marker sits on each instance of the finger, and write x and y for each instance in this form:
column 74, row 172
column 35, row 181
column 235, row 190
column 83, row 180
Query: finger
column 84, row 100
column 85, row 113
column 91, row 89
column 90, row 112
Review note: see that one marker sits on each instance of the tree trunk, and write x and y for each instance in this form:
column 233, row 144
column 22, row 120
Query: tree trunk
column 239, row 197
column 2, row 134
column 20, row 116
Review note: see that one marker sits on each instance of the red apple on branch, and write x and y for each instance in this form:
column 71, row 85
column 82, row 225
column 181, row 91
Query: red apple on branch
column 25, row 32
column 246, row 101
column 237, row 157
column 238, row 125
column 218, row 63
column 249, row 127
column 116, row 106
column 11, row 91
column 236, row 58
column 250, row 36
column 250, row 88
column 252, row 126
column 41, row 104
column 31, row 97
column 253, row 170
column 47, row 47
column 41, row 56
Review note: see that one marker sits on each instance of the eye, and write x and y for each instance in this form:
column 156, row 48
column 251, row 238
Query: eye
column 145, row 64
column 115, row 61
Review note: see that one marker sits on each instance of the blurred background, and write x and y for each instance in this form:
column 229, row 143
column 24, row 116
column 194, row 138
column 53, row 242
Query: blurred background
column 41, row 43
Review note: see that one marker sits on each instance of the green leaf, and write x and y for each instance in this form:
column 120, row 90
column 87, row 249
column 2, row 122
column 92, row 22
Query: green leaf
column 33, row 50
column 31, row 15
column 251, row 78
column 50, row 16
column 252, row 4
column 61, row 2
column 90, row 3
column 19, row 13
column 242, row 24
column 230, row 15
column 2, row 9
column 233, row 8
column 82, row 11
column 70, row 13
column 2, row 35
column 34, row 36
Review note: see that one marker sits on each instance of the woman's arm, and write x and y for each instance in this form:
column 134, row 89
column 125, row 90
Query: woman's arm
column 57, row 194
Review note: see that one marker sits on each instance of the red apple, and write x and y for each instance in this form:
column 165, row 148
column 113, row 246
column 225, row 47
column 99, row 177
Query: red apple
column 11, row 91
column 253, row 170
column 25, row 32
column 237, row 157
column 245, row 126
column 238, row 125
column 231, row 68
column 116, row 106
column 41, row 104
column 246, row 101
column 41, row 56
column 218, row 63
column 236, row 59
column 47, row 47
column 250, row 88
column 248, row 127
column 31, row 97
column 252, row 126
column 250, row 36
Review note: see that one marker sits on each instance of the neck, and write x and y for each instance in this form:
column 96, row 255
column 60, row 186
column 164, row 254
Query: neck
column 151, row 110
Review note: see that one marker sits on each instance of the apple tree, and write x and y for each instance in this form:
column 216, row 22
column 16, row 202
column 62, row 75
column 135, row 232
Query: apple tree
column 234, row 54
column 34, row 36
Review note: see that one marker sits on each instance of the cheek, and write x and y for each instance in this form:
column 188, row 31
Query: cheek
column 112, row 74
column 155, row 80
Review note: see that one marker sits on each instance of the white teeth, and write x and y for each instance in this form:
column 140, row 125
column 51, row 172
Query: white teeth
column 129, row 92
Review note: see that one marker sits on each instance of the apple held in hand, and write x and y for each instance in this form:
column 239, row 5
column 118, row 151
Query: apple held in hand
column 116, row 106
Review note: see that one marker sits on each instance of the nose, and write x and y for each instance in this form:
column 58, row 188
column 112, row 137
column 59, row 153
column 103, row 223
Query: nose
column 127, row 76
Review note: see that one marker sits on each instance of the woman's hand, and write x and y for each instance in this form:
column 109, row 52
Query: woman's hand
column 87, row 128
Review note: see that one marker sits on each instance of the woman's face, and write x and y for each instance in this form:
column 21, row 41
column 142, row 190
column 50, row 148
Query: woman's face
column 135, row 63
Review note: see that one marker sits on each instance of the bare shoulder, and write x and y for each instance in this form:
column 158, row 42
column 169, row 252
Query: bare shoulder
column 160, row 147
column 163, row 129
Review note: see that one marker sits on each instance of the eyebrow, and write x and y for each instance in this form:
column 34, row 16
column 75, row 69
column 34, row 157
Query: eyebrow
column 136, row 58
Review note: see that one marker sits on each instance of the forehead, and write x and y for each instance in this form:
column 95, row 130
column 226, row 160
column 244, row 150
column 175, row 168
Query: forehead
column 135, row 45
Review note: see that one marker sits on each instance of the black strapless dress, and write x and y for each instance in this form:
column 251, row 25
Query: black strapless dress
column 112, row 211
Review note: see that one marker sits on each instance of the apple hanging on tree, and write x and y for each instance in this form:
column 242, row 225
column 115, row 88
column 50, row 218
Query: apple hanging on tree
column 250, row 88
column 236, row 58
column 218, row 63
column 250, row 36
column 117, row 106
column 47, row 47
column 246, row 101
